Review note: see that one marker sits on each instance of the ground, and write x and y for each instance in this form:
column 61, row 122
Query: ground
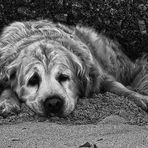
column 111, row 132
column 106, row 120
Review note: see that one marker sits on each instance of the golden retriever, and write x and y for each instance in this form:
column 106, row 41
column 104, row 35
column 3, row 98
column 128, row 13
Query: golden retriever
column 49, row 66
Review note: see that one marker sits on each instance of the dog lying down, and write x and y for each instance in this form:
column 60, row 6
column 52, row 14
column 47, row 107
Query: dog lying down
column 50, row 66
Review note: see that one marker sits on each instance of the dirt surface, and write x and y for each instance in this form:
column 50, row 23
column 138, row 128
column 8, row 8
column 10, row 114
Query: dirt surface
column 104, row 121
column 111, row 132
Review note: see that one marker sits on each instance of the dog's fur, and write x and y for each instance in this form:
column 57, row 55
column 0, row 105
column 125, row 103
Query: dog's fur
column 49, row 66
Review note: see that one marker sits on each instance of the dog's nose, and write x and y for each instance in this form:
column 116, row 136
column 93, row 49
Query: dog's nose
column 53, row 106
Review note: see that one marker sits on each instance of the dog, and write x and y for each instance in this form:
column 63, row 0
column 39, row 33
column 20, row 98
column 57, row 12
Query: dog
column 49, row 66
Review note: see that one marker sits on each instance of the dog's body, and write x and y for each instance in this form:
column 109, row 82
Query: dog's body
column 49, row 66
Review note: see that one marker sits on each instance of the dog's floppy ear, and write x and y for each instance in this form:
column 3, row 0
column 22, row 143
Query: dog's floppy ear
column 88, row 79
column 4, row 80
column 12, row 73
column 3, row 83
column 9, row 73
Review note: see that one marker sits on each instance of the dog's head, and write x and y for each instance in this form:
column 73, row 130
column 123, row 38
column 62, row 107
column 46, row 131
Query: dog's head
column 45, row 67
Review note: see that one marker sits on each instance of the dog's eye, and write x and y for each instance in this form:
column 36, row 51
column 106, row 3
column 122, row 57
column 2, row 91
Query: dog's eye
column 63, row 77
column 34, row 80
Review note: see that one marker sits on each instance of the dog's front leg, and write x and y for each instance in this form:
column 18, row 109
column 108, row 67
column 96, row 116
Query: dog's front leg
column 9, row 103
column 120, row 89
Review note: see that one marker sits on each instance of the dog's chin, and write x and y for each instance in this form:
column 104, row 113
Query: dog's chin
column 38, row 108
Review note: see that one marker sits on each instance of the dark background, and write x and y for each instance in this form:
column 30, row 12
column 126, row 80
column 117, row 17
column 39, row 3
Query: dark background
column 123, row 20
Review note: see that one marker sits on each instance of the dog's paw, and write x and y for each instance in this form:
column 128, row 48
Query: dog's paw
column 8, row 109
column 9, row 104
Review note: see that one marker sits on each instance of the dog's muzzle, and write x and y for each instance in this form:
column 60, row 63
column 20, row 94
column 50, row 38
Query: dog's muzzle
column 53, row 106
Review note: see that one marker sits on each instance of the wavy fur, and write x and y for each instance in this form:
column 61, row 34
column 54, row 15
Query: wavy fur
column 93, row 63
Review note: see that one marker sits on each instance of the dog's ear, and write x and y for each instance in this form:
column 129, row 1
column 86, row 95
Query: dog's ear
column 11, row 76
column 4, row 80
column 3, row 83
column 86, row 78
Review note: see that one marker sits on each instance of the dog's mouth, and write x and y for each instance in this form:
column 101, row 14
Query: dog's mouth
column 53, row 106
